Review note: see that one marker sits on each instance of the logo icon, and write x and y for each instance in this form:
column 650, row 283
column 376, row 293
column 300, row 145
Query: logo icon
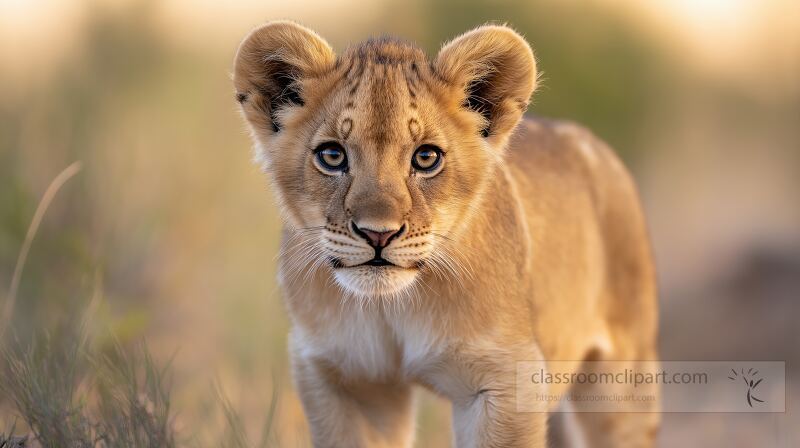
column 751, row 380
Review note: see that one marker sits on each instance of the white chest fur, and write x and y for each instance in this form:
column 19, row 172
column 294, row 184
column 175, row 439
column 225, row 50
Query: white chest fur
column 374, row 343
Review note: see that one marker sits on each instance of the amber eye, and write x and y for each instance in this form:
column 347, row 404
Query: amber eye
column 427, row 158
column 331, row 157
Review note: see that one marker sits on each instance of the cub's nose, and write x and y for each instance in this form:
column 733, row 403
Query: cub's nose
column 377, row 239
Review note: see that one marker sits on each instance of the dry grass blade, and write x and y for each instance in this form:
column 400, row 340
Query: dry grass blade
column 235, row 435
column 49, row 194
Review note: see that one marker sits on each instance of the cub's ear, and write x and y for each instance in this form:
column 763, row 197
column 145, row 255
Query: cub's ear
column 495, row 71
column 270, row 67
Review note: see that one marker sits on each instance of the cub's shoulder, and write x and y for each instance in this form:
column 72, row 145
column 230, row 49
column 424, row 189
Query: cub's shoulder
column 542, row 143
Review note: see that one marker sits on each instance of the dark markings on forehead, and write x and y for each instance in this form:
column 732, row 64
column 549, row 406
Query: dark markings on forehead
column 382, row 62
column 345, row 127
column 388, row 50
column 382, row 51
column 410, row 84
column 383, row 102
column 343, row 70
column 358, row 76
column 414, row 129
column 348, row 72
column 421, row 76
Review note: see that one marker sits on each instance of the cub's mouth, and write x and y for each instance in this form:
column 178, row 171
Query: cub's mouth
column 377, row 262
column 377, row 277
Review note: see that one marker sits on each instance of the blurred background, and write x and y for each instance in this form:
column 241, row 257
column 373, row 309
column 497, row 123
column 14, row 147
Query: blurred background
column 174, row 227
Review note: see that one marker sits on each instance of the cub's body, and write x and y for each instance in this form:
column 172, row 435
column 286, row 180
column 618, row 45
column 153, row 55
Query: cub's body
column 526, row 241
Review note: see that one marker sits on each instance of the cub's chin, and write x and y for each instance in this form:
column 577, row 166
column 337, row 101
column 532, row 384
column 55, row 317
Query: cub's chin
column 366, row 281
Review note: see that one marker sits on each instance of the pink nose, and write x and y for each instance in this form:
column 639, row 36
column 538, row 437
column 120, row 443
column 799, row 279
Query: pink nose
column 377, row 239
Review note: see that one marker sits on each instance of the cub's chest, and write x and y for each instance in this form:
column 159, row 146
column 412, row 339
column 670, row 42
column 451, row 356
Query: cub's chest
column 375, row 344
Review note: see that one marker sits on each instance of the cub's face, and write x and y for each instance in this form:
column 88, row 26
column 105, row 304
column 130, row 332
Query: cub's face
column 378, row 158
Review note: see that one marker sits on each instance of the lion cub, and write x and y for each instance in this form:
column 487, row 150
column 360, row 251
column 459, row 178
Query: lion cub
column 434, row 237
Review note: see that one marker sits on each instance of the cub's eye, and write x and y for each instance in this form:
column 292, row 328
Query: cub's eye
column 330, row 157
column 426, row 159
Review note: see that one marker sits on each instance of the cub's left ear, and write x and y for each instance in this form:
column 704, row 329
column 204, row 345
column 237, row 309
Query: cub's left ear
column 270, row 68
column 494, row 69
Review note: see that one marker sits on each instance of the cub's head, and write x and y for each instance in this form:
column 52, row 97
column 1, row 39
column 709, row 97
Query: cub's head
column 379, row 157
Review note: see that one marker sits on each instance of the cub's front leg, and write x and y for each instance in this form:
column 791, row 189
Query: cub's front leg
column 482, row 385
column 489, row 419
column 355, row 413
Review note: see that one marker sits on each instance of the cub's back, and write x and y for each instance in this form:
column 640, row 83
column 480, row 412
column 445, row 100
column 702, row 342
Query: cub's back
column 590, row 242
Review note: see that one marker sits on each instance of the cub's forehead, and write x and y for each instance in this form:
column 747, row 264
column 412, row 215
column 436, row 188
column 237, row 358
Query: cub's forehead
column 386, row 49
column 377, row 98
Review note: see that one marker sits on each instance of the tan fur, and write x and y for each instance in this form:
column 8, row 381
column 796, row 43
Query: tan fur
column 529, row 244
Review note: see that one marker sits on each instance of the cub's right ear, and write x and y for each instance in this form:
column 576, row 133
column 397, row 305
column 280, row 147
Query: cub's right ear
column 270, row 67
column 494, row 69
